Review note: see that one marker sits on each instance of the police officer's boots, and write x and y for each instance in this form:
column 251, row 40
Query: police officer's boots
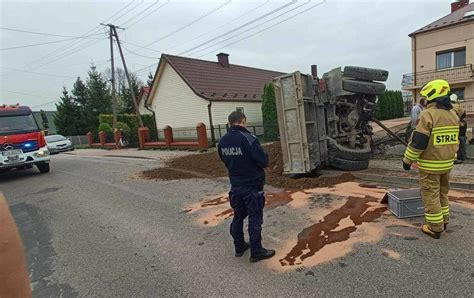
column 262, row 255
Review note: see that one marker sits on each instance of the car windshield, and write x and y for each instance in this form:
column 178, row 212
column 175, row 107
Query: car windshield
column 55, row 138
column 17, row 124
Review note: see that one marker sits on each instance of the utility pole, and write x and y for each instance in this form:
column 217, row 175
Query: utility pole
column 112, row 68
column 140, row 121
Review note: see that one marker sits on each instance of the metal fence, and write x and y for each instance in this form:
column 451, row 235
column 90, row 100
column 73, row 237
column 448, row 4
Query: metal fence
column 79, row 140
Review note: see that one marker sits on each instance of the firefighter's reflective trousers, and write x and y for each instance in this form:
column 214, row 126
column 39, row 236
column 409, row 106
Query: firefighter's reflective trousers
column 434, row 191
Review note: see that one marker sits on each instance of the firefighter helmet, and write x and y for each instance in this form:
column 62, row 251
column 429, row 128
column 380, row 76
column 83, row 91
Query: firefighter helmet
column 435, row 89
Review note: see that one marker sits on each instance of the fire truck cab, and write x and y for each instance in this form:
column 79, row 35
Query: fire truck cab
column 22, row 143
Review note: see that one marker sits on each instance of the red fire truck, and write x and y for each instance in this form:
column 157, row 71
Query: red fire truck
column 22, row 143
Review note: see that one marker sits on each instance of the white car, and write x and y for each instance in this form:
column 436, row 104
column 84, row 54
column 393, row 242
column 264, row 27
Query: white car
column 58, row 143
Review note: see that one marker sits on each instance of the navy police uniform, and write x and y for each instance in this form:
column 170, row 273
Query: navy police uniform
column 245, row 160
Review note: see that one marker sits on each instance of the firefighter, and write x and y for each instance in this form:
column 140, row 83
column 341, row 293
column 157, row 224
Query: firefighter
column 433, row 146
column 462, row 154
column 245, row 160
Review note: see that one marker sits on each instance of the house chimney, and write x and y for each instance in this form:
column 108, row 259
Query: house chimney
column 458, row 4
column 223, row 59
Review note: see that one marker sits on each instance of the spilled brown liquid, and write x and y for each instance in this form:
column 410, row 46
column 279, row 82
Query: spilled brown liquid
column 465, row 199
column 215, row 202
column 315, row 237
column 272, row 201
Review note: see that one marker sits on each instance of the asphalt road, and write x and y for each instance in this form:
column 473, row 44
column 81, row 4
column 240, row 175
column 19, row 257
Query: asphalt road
column 91, row 229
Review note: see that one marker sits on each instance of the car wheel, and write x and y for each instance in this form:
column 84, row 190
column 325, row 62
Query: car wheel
column 337, row 150
column 43, row 168
column 363, row 87
column 367, row 74
column 349, row 165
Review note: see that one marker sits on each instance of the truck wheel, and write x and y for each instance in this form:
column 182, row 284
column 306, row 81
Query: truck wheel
column 349, row 165
column 337, row 150
column 367, row 74
column 43, row 168
column 363, row 87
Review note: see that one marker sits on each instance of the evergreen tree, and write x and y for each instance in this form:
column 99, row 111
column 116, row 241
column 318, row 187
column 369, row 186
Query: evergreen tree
column 66, row 118
column 269, row 113
column 99, row 99
column 98, row 93
column 149, row 82
column 82, row 100
column 126, row 97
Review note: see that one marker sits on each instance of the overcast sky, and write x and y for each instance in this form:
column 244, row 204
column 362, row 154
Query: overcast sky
column 335, row 33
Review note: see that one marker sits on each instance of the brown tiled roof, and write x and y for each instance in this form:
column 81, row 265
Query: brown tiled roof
column 213, row 81
column 451, row 19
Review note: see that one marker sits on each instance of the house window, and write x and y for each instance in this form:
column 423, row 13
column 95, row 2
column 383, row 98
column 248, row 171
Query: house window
column 453, row 58
column 459, row 92
column 239, row 109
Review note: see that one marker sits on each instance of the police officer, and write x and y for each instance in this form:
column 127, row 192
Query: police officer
column 245, row 160
column 433, row 146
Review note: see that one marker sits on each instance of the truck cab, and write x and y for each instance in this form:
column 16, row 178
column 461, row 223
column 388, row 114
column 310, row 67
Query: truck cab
column 22, row 143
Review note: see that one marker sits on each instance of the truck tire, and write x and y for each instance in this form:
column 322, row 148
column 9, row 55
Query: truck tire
column 363, row 87
column 366, row 74
column 43, row 168
column 337, row 150
column 349, row 165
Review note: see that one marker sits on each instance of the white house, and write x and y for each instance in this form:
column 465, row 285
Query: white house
column 186, row 91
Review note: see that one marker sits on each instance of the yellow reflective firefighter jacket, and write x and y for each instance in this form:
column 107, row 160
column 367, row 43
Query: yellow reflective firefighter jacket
column 434, row 142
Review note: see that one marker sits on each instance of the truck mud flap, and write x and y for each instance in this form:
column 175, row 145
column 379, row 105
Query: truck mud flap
column 366, row 74
column 363, row 87
column 349, row 165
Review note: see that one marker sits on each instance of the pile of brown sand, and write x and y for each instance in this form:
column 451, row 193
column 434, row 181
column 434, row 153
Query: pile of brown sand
column 207, row 165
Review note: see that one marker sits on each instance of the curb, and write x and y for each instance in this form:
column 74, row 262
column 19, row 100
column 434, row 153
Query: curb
column 407, row 180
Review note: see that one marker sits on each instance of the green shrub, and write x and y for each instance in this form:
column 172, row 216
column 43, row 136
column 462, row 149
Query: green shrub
column 269, row 113
column 131, row 121
column 125, row 129
column 105, row 127
column 390, row 105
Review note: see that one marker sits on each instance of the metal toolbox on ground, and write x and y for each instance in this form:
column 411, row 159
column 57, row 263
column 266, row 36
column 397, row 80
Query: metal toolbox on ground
column 406, row 203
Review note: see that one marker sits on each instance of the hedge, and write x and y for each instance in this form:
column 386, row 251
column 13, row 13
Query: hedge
column 269, row 113
column 390, row 105
column 131, row 121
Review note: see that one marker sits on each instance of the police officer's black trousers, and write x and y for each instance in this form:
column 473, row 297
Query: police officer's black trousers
column 247, row 201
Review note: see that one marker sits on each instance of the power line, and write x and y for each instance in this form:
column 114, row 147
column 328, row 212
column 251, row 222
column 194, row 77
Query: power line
column 260, row 31
column 40, row 44
column 59, row 51
column 127, row 12
column 139, row 13
column 134, row 53
column 217, row 28
column 241, row 26
column 45, row 34
column 189, row 24
column 36, row 73
column 148, row 14
column 249, row 29
column 145, row 68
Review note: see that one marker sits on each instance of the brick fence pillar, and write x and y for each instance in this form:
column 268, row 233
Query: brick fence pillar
column 143, row 136
column 90, row 138
column 102, row 138
column 202, row 135
column 117, row 137
column 168, row 135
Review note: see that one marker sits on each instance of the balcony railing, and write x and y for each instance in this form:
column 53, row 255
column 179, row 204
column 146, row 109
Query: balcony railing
column 468, row 105
column 452, row 75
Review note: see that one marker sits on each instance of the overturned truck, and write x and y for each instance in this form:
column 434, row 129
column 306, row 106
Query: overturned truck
column 325, row 122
